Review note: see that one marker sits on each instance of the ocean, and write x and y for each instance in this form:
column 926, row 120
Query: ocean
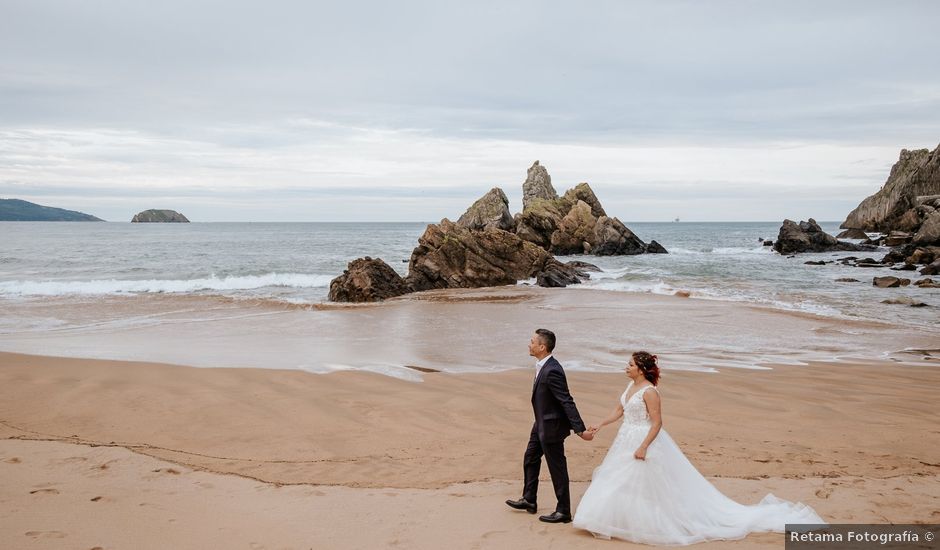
column 294, row 262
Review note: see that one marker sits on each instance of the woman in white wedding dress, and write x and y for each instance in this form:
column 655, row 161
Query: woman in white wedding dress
column 647, row 491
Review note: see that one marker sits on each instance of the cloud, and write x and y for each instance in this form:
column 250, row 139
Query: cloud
column 241, row 99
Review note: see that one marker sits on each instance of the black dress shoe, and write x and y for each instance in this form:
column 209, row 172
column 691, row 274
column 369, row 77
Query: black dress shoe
column 522, row 504
column 556, row 517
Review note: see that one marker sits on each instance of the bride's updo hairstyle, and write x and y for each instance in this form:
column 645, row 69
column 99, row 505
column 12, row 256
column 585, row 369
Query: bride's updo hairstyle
column 648, row 365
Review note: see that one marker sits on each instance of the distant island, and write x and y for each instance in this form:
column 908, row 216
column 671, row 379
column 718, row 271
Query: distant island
column 16, row 210
column 159, row 216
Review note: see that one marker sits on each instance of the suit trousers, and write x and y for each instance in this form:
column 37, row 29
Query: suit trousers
column 554, row 453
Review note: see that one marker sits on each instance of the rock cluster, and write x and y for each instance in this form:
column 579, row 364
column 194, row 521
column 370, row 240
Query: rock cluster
column 487, row 246
column 575, row 223
column 809, row 237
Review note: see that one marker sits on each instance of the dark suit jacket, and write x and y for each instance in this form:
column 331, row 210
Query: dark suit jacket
column 555, row 412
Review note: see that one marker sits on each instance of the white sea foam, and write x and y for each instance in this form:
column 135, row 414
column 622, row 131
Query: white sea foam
column 121, row 286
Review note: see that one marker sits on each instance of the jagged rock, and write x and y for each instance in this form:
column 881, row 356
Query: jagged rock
column 656, row 248
column 809, row 237
column 584, row 266
column 159, row 216
column 819, row 262
column 916, row 174
column 573, row 224
column 583, row 192
column 852, row 234
column 557, row 274
column 450, row 256
column 927, row 283
column 575, row 233
column 537, row 186
column 847, row 280
column 922, row 255
column 768, row 242
column 538, row 222
column 905, row 267
column 929, row 232
column 897, row 238
column 682, row 293
column 490, row 210
column 614, row 239
column 931, row 269
column 889, row 282
column 897, row 255
column 367, row 280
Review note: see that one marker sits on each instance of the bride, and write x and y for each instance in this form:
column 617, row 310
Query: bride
column 647, row 491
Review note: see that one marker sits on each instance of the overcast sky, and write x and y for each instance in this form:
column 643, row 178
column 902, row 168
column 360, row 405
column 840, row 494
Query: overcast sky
column 408, row 111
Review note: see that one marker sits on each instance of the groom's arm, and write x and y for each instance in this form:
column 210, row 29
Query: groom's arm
column 558, row 385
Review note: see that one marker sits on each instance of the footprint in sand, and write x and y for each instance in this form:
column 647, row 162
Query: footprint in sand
column 71, row 460
column 14, row 460
column 96, row 499
column 823, row 493
column 105, row 466
column 167, row 471
column 45, row 534
column 46, row 491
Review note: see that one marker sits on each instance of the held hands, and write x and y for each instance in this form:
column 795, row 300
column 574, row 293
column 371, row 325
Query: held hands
column 588, row 434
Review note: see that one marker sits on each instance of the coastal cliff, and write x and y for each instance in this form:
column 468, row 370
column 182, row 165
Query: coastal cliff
column 899, row 204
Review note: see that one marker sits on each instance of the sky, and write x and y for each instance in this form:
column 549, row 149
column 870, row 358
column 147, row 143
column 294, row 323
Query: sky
column 409, row 111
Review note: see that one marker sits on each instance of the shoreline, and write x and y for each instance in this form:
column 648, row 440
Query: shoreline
column 595, row 327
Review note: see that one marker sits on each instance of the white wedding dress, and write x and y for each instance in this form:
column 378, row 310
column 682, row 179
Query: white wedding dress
column 664, row 499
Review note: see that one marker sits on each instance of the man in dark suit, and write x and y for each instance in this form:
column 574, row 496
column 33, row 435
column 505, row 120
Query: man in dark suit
column 555, row 417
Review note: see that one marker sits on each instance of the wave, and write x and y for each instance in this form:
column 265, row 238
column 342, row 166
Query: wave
column 725, row 251
column 159, row 286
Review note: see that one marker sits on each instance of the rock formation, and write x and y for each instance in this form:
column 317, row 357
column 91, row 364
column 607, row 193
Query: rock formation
column 367, row 280
column 451, row 256
column 852, row 234
column 489, row 211
column 488, row 247
column 913, row 179
column 573, row 224
column 537, row 186
column 159, row 216
column 809, row 237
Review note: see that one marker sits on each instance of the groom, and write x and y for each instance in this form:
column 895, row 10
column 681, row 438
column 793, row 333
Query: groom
column 555, row 417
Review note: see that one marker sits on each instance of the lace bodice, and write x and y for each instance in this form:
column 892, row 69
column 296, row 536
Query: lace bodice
column 634, row 409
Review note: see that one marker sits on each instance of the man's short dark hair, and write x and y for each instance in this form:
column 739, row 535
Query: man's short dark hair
column 547, row 337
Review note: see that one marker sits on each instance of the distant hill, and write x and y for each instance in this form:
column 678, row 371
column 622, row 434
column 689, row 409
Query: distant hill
column 16, row 210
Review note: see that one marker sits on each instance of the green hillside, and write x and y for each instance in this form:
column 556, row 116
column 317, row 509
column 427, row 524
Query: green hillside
column 16, row 210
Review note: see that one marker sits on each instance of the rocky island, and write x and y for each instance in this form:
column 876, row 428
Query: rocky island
column 488, row 246
column 159, row 216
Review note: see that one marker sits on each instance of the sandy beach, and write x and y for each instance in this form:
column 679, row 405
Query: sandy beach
column 119, row 454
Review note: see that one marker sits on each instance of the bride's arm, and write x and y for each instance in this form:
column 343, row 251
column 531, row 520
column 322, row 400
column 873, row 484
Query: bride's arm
column 654, row 408
column 616, row 414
